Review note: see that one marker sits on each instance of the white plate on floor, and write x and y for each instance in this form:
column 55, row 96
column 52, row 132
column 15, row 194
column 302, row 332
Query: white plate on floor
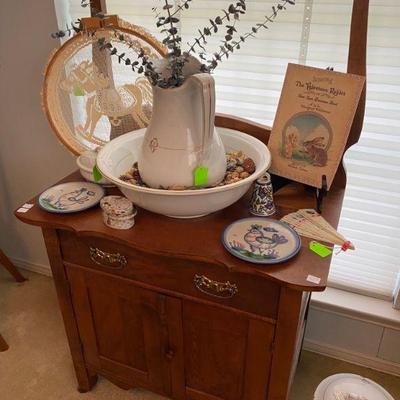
column 350, row 383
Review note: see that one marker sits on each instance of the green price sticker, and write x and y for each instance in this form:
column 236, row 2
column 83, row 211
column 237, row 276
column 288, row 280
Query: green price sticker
column 78, row 91
column 97, row 174
column 320, row 249
column 200, row 176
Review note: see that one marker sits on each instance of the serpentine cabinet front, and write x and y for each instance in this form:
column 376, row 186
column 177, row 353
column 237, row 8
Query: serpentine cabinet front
column 185, row 329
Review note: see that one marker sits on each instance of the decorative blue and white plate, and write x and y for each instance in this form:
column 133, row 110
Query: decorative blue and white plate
column 71, row 197
column 261, row 240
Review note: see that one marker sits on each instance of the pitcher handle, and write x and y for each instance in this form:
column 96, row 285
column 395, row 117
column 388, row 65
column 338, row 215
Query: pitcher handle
column 207, row 84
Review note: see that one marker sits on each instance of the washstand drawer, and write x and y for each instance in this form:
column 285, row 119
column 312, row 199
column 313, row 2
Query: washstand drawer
column 193, row 278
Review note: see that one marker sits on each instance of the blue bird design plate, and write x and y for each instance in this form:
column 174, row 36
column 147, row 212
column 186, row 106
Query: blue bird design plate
column 71, row 197
column 261, row 240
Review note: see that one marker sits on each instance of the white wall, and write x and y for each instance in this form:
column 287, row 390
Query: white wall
column 31, row 157
column 355, row 328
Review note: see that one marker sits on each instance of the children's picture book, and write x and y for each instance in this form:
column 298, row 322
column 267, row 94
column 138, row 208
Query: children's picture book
column 315, row 113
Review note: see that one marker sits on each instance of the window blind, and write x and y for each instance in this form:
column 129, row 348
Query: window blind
column 371, row 209
column 316, row 32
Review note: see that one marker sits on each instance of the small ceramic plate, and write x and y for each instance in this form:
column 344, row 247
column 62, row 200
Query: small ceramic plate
column 71, row 197
column 261, row 240
column 343, row 384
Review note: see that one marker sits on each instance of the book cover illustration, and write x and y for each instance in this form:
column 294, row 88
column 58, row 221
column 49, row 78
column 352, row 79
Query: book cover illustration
column 312, row 124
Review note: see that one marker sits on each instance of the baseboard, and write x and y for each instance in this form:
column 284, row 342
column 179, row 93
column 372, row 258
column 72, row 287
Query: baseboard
column 38, row 268
column 352, row 357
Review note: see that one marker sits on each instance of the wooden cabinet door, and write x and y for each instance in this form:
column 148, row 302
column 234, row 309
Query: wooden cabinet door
column 123, row 329
column 227, row 355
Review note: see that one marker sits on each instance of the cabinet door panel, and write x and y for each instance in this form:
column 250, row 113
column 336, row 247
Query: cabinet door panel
column 121, row 342
column 122, row 327
column 258, row 360
column 221, row 348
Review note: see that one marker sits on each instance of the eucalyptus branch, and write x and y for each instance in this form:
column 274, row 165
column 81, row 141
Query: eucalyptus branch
column 232, row 11
column 230, row 46
column 172, row 19
column 173, row 39
column 168, row 72
column 75, row 27
column 227, row 44
column 144, row 66
column 175, row 58
column 184, row 6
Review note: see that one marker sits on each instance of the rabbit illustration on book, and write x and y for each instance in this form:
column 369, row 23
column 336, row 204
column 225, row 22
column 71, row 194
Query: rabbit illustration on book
column 314, row 148
column 306, row 140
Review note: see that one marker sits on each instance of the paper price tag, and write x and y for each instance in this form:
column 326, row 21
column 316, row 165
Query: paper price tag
column 313, row 279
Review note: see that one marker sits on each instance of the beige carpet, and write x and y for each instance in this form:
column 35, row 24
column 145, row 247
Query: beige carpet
column 38, row 366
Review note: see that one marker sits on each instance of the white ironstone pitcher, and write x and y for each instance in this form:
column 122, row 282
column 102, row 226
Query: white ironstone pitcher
column 181, row 136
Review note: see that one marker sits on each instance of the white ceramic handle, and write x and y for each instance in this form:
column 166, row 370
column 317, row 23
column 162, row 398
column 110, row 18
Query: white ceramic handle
column 207, row 84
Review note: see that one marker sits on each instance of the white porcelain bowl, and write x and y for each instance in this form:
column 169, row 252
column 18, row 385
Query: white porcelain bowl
column 85, row 162
column 117, row 156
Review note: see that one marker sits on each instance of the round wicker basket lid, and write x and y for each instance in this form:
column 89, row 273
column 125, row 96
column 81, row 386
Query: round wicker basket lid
column 89, row 96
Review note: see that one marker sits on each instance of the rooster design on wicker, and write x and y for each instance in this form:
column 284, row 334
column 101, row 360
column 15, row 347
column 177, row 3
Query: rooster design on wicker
column 262, row 246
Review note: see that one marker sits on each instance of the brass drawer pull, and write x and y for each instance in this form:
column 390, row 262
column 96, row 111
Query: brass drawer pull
column 213, row 288
column 109, row 260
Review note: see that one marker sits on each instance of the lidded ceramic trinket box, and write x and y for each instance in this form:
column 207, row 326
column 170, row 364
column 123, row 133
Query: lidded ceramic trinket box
column 118, row 212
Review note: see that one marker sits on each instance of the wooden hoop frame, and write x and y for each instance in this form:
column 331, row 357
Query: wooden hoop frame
column 124, row 27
